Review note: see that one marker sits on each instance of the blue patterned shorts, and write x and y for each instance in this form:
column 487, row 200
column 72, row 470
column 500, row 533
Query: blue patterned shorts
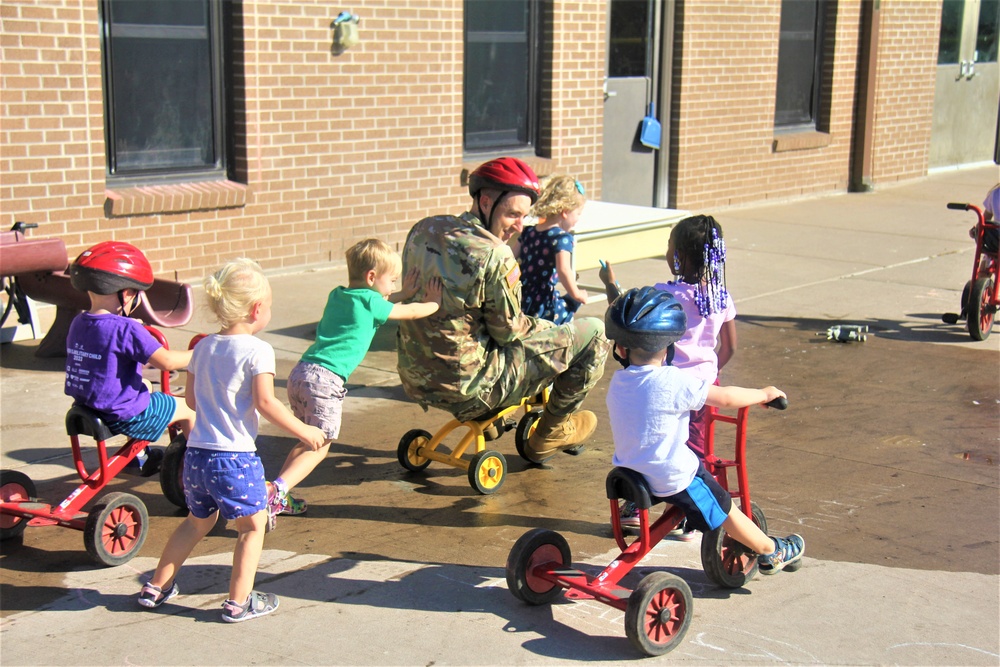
column 231, row 482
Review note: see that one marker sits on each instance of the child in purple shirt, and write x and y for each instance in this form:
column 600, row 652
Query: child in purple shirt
column 106, row 349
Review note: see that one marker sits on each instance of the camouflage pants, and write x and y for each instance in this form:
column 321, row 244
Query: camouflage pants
column 570, row 357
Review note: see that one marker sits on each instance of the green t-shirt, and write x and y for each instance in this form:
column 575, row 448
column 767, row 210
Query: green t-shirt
column 349, row 322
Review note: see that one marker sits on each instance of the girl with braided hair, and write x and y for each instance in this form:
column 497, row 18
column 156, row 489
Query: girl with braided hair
column 697, row 256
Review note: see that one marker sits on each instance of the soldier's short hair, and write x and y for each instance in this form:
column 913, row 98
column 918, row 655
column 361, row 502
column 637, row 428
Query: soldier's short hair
column 371, row 255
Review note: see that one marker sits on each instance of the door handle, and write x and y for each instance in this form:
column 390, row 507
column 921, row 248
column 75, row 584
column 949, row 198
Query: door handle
column 608, row 93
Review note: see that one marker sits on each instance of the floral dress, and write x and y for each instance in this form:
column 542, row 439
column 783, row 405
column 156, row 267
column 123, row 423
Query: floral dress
column 539, row 277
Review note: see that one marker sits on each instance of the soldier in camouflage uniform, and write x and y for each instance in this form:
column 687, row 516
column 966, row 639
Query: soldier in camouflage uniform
column 479, row 352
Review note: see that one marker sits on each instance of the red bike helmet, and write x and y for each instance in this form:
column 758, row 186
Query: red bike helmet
column 110, row 267
column 506, row 174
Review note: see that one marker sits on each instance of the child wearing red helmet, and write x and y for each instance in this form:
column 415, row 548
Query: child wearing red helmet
column 106, row 349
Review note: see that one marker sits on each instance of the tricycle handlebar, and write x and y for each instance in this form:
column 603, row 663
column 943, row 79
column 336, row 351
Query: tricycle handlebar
column 779, row 403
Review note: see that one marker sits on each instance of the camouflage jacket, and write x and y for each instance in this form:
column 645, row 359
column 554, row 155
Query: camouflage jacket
column 458, row 352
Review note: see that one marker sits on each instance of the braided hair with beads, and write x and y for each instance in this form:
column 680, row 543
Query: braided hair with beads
column 699, row 258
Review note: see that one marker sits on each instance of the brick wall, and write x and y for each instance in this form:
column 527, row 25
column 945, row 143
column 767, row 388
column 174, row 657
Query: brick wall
column 334, row 148
column 331, row 148
column 904, row 93
column 724, row 145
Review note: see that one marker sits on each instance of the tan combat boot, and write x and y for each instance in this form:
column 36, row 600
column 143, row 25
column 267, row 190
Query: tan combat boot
column 553, row 434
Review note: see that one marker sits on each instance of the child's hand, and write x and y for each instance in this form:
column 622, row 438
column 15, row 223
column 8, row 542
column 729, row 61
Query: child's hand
column 607, row 274
column 411, row 283
column 433, row 290
column 316, row 439
column 772, row 393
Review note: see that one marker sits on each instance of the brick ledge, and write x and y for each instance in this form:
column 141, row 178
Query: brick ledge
column 798, row 141
column 174, row 198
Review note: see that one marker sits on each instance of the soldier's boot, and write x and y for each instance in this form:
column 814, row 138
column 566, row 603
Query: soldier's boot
column 553, row 434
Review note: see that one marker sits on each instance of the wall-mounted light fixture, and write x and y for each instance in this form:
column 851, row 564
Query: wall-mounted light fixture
column 345, row 32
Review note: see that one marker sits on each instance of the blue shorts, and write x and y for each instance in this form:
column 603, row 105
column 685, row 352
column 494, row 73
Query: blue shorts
column 231, row 482
column 151, row 422
column 705, row 503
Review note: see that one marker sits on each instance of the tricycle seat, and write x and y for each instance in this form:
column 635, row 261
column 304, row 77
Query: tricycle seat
column 82, row 420
column 630, row 485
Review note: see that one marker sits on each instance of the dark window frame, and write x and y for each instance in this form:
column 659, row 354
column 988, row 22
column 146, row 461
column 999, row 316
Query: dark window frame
column 800, row 118
column 219, row 37
column 480, row 141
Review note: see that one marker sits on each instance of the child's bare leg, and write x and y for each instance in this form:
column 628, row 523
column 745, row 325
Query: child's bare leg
column 301, row 461
column 739, row 527
column 183, row 416
column 179, row 547
column 246, row 555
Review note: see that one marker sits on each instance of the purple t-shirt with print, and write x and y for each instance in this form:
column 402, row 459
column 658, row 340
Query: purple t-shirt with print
column 104, row 358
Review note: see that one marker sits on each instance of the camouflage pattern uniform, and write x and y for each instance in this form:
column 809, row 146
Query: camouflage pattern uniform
column 479, row 352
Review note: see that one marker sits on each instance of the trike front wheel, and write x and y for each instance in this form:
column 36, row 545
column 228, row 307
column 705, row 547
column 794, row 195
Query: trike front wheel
column 727, row 562
column 981, row 308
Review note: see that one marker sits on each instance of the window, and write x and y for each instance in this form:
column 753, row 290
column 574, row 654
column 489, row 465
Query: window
column 800, row 64
column 164, row 83
column 957, row 43
column 631, row 39
column 502, row 74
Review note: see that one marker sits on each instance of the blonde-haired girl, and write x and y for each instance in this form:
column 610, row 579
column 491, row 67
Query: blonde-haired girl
column 230, row 379
column 545, row 252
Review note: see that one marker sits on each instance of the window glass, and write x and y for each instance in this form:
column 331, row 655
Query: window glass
column 629, row 45
column 986, row 37
column 500, row 74
column 163, row 94
column 799, row 63
column 950, row 41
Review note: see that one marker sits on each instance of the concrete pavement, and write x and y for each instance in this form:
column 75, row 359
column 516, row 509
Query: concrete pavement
column 886, row 462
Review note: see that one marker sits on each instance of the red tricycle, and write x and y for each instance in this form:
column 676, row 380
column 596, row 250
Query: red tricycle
column 115, row 528
column 979, row 297
column 658, row 612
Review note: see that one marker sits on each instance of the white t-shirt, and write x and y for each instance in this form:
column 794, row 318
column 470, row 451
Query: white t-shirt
column 223, row 369
column 650, row 407
column 695, row 353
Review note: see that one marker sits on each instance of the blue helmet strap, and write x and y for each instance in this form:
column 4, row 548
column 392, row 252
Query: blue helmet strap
column 670, row 354
column 620, row 359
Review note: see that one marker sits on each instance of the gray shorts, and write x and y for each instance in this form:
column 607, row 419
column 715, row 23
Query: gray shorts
column 316, row 395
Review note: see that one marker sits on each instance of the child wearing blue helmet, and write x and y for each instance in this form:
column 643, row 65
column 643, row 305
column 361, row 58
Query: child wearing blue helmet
column 649, row 404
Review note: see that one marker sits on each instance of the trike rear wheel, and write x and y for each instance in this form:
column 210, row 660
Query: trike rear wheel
column 536, row 547
column 406, row 452
column 487, row 472
column 658, row 613
column 727, row 562
column 15, row 486
column 981, row 309
column 116, row 529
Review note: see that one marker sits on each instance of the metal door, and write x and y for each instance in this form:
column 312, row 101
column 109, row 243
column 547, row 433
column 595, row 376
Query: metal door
column 629, row 168
column 967, row 96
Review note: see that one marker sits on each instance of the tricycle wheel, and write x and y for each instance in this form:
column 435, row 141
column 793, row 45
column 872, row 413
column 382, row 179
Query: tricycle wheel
column 116, row 529
column 15, row 486
column 525, row 427
column 172, row 472
column 658, row 613
column 727, row 562
column 981, row 309
column 536, row 547
column 406, row 452
column 486, row 471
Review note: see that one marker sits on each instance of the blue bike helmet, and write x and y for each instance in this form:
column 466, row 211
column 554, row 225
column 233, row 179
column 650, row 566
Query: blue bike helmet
column 645, row 318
